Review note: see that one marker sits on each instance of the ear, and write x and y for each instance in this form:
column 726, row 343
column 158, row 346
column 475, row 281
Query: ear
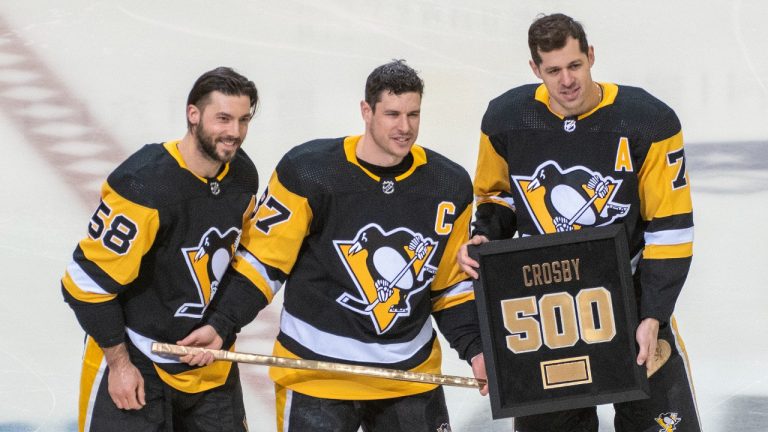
column 591, row 55
column 366, row 111
column 193, row 114
column 534, row 68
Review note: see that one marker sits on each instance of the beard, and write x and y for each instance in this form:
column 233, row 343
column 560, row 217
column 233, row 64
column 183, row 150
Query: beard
column 207, row 144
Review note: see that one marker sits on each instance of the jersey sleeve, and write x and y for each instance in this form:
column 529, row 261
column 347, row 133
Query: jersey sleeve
column 106, row 261
column 495, row 214
column 666, row 208
column 453, row 297
column 268, row 250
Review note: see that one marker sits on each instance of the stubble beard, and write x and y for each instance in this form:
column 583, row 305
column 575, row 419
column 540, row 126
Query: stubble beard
column 207, row 144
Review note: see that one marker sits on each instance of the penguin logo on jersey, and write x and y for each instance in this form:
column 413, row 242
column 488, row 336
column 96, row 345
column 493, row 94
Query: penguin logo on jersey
column 566, row 200
column 668, row 422
column 207, row 263
column 388, row 269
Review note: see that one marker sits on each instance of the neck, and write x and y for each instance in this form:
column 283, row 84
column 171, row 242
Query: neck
column 594, row 95
column 197, row 161
column 368, row 151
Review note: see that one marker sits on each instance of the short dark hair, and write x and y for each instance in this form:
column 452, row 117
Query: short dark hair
column 550, row 32
column 224, row 80
column 394, row 77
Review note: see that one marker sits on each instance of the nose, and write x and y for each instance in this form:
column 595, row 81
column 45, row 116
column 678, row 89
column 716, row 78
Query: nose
column 233, row 129
column 566, row 78
column 403, row 124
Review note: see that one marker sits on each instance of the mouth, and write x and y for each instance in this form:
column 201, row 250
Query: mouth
column 571, row 94
column 402, row 140
column 230, row 143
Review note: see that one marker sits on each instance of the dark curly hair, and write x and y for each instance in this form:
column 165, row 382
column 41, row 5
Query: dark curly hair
column 394, row 77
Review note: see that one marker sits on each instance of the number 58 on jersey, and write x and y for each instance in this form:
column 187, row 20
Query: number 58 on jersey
column 558, row 317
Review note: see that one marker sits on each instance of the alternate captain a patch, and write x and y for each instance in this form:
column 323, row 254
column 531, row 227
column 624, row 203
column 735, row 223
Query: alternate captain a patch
column 388, row 269
column 569, row 199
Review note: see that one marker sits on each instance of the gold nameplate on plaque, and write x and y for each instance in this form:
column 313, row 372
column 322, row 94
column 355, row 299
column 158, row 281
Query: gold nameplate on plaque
column 566, row 372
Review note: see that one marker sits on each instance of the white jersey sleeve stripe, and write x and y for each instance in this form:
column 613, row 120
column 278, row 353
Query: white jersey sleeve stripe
column 274, row 285
column 331, row 345
column 669, row 237
column 83, row 281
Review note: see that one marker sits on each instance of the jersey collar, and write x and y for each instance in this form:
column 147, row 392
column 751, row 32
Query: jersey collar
column 350, row 145
column 610, row 91
column 173, row 148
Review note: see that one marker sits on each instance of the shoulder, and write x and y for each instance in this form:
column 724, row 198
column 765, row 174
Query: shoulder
column 444, row 164
column 244, row 172
column 447, row 175
column 499, row 115
column 311, row 163
column 140, row 178
column 650, row 115
column 318, row 150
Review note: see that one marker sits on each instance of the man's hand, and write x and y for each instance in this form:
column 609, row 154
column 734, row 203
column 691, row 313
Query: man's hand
column 647, row 336
column 125, row 383
column 204, row 337
column 478, row 370
column 467, row 264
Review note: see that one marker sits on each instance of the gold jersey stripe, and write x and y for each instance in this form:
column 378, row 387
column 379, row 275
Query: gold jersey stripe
column 658, row 198
column 90, row 378
column 336, row 385
column 81, row 295
column 350, row 148
column 173, row 148
column 122, row 268
column 680, row 347
column 242, row 266
column 492, row 174
column 279, row 246
column 448, row 271
column 198, row 380
column 683, row 250
column 610, row 91
column 282, row 407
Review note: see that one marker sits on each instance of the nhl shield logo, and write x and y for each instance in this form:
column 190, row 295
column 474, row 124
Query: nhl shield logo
column 388, row 269
column 215, row 188
column 569, row 125
column 566, row 200
column 388, row 186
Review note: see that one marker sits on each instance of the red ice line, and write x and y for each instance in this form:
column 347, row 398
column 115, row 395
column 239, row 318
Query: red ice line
column 52, row 147
column 36, row 129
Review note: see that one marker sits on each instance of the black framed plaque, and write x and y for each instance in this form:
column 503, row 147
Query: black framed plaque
column 558, row 315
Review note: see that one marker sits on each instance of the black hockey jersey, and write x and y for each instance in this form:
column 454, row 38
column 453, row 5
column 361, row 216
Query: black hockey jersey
column 622, row 162
column 157, row 248
column 365, row 261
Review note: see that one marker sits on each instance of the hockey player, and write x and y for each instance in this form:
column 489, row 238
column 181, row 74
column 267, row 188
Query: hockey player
column 363, row 231
column 166, row 228
column 572, row 153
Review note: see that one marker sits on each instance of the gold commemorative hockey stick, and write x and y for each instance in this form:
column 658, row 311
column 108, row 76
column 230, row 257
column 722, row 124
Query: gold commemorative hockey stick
column 663, row 351
column 283, row 362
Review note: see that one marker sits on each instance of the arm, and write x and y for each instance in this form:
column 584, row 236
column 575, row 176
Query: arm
column 104, row 263
column 268, row 250
column 453, row 300
column 495, row 215
column 126, row 385
column 666, row 207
